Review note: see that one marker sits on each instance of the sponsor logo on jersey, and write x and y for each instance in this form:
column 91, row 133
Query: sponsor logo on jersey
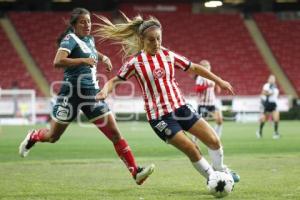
column 92, row 43
column 62, row 113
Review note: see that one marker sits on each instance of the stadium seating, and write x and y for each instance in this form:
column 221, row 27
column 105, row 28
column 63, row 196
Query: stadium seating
column 283, row 36
column 12, row 70
column 39, row 32
column 220, row 38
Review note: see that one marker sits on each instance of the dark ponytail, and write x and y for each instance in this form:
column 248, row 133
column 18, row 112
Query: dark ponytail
column 73, row 19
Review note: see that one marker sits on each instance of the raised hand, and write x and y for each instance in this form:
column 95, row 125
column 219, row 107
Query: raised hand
column 226, row 86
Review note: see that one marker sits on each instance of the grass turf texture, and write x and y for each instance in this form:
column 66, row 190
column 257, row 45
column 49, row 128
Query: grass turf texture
column 83, row 165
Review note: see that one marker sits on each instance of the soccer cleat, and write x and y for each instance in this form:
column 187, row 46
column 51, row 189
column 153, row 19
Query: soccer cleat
column 143, row 173
column 26, row 144
column 258, row 135
column 276, row 136
column 235, row 176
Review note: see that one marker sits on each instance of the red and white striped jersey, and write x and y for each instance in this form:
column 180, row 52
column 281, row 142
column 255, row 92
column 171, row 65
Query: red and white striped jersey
column 156, row 77
column 206, row 96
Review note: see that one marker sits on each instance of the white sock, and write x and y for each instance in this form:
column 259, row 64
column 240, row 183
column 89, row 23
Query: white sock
column 217, row 157
column 218, row 129
column 203, row 167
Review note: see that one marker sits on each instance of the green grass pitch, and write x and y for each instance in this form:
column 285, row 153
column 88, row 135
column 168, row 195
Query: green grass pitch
column 83, row 165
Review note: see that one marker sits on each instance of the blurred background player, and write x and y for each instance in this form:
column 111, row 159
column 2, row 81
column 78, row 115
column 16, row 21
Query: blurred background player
column 269, row 98
column 207, row 105
column 78, row 57
column 154, row 68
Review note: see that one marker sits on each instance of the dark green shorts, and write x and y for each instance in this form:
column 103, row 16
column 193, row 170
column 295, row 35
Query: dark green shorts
column 71, row 100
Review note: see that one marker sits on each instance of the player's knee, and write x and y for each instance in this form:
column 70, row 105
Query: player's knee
column 215, row 143
column 262, row 119
column 219, row 121
column 193, row 153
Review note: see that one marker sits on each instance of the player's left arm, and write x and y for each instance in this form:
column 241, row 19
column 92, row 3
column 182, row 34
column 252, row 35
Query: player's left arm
column 202, row 71
column 106, row 61
column 108, row 88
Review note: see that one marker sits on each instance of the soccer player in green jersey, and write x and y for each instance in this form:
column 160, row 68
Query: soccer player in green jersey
column 78, row 57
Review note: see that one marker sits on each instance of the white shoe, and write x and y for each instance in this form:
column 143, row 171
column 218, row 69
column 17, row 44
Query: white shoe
column 236, row 178
column 26, row 144
column 276, row 136
column 143, row 173
column 258, row 135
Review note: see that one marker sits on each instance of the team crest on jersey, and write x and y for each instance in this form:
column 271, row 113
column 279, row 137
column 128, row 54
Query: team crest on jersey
column 67, row 37
column 159, row 73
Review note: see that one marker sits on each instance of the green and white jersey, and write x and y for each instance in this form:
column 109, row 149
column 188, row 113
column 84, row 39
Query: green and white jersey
column 83, row 76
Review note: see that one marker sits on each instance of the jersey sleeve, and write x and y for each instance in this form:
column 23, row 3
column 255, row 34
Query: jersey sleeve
column 181, row 62
column 127, row 70
column 68, row 43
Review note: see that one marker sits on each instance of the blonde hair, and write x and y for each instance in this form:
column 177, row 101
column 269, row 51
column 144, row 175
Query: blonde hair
column 127, row 34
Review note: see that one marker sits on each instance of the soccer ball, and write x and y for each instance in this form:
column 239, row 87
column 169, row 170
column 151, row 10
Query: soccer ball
column 220, row 184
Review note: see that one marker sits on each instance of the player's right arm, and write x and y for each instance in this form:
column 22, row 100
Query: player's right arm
column 66, row 46
column 61, row 60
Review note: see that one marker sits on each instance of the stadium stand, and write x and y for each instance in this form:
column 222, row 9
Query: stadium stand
column 284, row 40
column 14, row 72
column 197, row 36
column 39, row 38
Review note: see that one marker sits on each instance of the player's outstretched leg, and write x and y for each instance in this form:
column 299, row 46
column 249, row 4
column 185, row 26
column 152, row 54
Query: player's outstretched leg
column 108, row 126
column 41, row 135
column 206, row 134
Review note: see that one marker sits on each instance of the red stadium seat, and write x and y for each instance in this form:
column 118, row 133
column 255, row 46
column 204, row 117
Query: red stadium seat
column 196, row 36
column 12, row 68
column 283, row 37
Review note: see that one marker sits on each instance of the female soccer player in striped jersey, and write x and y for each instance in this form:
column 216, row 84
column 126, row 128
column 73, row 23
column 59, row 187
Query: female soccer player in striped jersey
column 78, row 57
column 207, row 105
column 154, row 68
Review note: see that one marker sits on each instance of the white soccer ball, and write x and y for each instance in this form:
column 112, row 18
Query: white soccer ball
column 220, row 184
